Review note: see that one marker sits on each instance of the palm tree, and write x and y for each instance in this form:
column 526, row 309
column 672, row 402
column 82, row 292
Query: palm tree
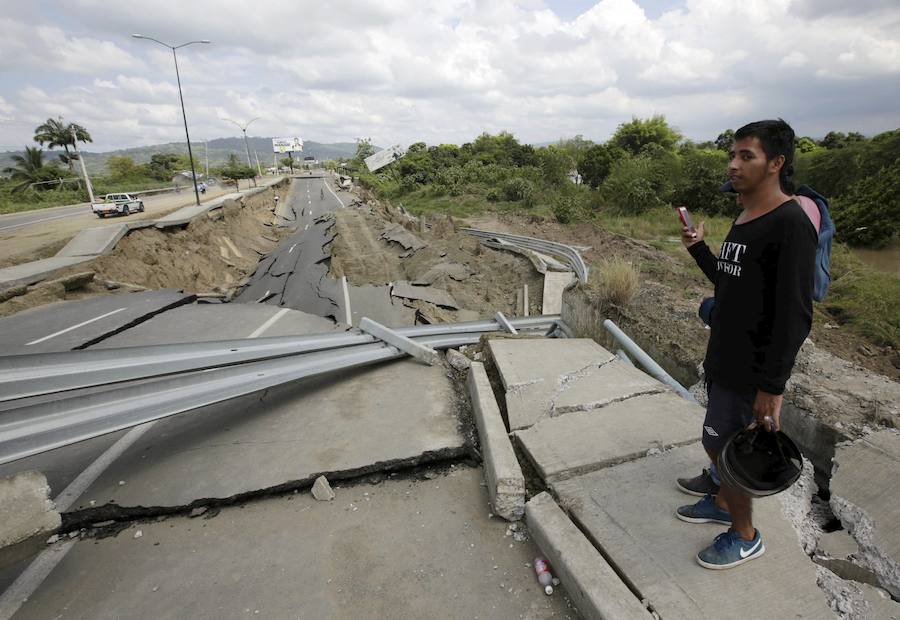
column 28, row 169
column 56, row 133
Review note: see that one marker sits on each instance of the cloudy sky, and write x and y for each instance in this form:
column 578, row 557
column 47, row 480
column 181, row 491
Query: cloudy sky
column 444, row 71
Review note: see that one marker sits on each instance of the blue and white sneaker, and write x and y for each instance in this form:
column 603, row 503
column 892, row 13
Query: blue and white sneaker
column 729, row 550
column 704, row 511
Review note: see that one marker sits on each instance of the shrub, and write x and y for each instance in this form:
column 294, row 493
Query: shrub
column 518, row 189
column 630, row 186
column 493, row 195
column 566, row 209
column 702, row 173
column 619, row 281
column 868, row 213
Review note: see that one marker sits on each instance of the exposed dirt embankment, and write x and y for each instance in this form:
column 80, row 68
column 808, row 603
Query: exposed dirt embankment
column 212, row 254
column 479, row 279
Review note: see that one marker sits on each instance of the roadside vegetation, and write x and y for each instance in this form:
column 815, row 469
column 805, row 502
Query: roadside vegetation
column 34, row 182
column 630, row 183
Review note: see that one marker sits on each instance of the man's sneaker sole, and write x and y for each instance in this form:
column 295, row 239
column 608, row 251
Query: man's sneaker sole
column 701, row 519
column 686, row 490
column 760, row 552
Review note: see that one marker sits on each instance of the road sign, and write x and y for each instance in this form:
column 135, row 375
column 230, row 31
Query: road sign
column 287, row 145
column 383, row 158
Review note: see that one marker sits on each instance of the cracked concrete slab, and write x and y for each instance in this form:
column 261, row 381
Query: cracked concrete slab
column 362, row 420
column 35, row 271
column 627, row 511
column 862, row 500
column 604, row 384
column 436, row 296
column 77, row 324
column 578, row 443
column 371, row 553
column 403, row 237
column 534, row 372
column 94, row 241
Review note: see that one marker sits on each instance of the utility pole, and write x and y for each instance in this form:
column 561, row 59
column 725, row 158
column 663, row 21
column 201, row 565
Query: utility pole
column 181, row 98
column 206, row 145
column 258, row 168
column 87, row 180
column 243, row 128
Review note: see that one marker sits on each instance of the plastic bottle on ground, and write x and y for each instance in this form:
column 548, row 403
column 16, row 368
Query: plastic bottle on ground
column 542, row 570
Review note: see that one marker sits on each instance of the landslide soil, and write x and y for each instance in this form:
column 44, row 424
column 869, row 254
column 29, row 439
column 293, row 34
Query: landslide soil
column 212, row 254
column 360, row 253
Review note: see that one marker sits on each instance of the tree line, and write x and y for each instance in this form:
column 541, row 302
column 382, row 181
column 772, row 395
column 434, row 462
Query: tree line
column 646, row 163
column 33, row 178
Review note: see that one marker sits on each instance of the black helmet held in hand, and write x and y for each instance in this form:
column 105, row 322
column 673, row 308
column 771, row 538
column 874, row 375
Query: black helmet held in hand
column 759, row 462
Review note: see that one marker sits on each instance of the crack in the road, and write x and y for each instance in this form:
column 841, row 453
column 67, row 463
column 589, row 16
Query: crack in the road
column 412, row 467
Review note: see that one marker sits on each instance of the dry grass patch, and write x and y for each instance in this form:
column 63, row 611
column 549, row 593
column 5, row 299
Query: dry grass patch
column 619, row 280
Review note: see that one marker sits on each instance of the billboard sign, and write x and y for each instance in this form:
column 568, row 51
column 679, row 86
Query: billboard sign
column 287, row 145
column 383, row 158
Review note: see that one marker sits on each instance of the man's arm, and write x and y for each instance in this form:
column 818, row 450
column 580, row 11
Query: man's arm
column 693, row 241
column 791, row 321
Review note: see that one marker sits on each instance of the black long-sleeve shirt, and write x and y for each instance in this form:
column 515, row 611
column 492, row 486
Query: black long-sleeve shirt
column 763, row 280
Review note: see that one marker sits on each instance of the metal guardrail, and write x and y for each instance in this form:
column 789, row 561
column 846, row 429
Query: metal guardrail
column 41, row 423
column 569, row 253
column 34, row 374
column 645, row 360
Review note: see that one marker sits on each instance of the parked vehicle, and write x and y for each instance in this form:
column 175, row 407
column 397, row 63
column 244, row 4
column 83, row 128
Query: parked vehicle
column 117, row 204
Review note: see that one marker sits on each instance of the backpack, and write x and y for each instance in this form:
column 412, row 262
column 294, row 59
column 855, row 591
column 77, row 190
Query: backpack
column 822, row 275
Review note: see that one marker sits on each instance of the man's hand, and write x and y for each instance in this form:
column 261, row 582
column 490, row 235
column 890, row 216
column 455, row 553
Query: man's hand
column 768, row 406
column 690, row 237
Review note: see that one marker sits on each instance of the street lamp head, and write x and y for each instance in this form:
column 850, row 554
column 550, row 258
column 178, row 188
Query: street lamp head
column 205, row 41
column 138, row 36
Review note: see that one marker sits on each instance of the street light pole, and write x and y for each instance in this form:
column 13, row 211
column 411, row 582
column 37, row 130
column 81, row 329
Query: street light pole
column 181, row 98
column 243, row 128
column 87, row 180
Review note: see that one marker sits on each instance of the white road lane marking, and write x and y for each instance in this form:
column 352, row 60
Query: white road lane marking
column 40, row 568
column 45, row 219
column 68, row 329
column 328, row 187
column 262, row 328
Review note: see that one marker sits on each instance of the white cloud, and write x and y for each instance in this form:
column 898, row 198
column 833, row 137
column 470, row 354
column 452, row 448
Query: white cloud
column 404, row 70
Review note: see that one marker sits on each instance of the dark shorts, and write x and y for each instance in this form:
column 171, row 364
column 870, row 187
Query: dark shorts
column 728, row 412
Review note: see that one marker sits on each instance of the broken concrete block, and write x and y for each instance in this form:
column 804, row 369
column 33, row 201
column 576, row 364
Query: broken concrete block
column 76, row 280
column 321, row 490
column 13, row 291
column 506, row 484
column 862, row 498
column 457, row 360
column 456, row 271
column 406, row 239
column 437, row 296
column 25, row 507
column 596, row 589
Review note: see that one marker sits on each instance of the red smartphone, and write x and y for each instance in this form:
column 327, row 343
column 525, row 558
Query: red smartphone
column 686, row 218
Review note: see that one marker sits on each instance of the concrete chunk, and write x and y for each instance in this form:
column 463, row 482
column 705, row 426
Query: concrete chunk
column 506, row 484
column 25, row 507
column 578, row 443
column 596, row 589
column 321, row 490
column 861, row 499
column 437, row 296
column 555, row 282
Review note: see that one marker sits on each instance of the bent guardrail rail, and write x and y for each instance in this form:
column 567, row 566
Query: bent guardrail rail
column 568, row 252
column 32, row 425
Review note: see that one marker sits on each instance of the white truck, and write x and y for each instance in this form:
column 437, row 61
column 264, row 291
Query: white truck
column 117, row 204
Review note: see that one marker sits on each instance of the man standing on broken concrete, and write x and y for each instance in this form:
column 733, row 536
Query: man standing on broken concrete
column 763, row 279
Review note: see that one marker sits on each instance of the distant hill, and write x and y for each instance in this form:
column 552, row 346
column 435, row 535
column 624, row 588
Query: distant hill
column 219, row 150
